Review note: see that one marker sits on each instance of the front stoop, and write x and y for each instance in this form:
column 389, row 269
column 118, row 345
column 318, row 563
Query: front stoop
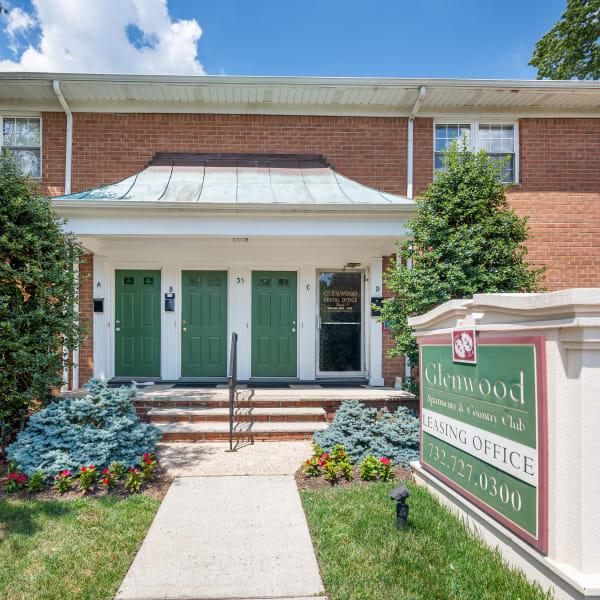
column 197, row 415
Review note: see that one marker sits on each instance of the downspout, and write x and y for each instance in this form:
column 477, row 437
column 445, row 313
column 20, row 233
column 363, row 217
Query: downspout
column 68, row 153
column 411, row 118
column 69, row 142
column 409, row 186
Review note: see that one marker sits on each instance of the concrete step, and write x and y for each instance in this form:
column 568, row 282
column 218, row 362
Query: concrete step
column 210, row 431
column 245, row 414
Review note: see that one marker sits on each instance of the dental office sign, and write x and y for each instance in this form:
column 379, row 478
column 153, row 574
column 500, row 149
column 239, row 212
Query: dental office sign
column 483, row 425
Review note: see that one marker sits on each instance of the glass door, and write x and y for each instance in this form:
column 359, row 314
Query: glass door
column 340, row 339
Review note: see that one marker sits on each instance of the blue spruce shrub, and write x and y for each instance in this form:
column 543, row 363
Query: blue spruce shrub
column 96, row 430
column 366, row 431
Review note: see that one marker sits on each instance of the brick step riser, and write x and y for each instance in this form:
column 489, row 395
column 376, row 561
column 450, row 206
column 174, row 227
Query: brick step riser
column 224, row 436
column 326, row 404
column 242, row 418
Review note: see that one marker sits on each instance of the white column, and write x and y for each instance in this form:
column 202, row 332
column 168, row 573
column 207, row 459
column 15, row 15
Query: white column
column 307, row 323
column 100, row 320
column 239, row 316
column 374, row 288
column 170, row 338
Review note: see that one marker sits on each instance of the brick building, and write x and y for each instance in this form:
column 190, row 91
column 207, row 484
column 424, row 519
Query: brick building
column 268, row 206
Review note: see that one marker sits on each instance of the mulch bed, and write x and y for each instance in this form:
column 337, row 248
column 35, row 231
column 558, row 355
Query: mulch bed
column 312, row 483
column 155, row 489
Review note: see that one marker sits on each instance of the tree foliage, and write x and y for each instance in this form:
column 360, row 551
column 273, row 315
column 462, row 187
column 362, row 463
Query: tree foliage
column 38, row 292
column 571, row 49
column 465, row 239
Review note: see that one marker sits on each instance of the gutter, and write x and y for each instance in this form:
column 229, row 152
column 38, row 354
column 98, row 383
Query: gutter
column 410, row 149
column 69, row 142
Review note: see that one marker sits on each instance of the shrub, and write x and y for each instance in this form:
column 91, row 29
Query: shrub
column 14, row 481
column 134, row 480
column 38, row 294
column 385, row 469
column 87, row 477
column 148, row 463
column 365, row 431
column 95, row 430
column 369, row 469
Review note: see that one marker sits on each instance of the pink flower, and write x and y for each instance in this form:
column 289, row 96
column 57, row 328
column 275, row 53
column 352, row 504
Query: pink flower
column 83, row 469
column 137, row 471
column 112, row 474
column 385, row 461
column 145, row 455
column 66, row 474
column 12, row 475
column 320, row 462
column 325, row 455
column 22, row 479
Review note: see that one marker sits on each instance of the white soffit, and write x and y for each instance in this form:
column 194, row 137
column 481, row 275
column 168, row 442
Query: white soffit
column 238, row 180
column 296, row 95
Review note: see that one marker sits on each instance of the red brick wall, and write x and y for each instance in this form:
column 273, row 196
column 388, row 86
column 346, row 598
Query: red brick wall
column 86, row 308
column 110, row 147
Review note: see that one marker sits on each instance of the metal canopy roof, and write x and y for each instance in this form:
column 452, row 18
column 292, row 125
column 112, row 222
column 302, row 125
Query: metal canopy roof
column 294, row 95
column 240, row 179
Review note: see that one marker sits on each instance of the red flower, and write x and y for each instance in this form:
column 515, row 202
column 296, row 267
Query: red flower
column 92, row 468
column 105, row 471
column 145, row 455
column 385, row 461
column 148, row 461
column 324, row 464
column 325, row 455
column 342, row 453
column 83, row 469
column 137, row 471
column 66, row 474
column 22, row 479
column 12, row 475
column 320, row 462
column 131, row 470
column 308, row 462
column 105, row 481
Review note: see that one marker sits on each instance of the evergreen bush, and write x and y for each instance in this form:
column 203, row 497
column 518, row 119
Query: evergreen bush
column 99, row 429
column 366, row 431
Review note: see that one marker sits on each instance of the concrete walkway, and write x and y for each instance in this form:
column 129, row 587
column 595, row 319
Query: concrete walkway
column 230, row 537
column 209, row 458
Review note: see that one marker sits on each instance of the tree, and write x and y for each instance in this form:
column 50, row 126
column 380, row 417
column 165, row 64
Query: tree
column 38, row 293
column 465, row 239
column 571, row 49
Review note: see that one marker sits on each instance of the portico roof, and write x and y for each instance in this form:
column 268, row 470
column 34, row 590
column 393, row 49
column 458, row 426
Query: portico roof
column 239, row 179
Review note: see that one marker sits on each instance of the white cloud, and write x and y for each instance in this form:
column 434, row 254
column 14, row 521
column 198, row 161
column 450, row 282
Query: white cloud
column 91, row 36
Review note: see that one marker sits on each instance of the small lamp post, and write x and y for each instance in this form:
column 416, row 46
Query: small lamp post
column 399, row 495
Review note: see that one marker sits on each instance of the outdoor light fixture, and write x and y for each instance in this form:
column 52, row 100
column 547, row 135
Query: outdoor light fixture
column 352, row 265
column 240, row 239
column 399, row 494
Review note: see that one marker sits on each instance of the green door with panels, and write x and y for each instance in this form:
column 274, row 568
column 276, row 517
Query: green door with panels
column 204, row 324
column 137, row 323
column 274, row 324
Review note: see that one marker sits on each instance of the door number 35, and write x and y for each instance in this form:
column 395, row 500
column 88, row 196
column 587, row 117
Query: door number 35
column 240, row 280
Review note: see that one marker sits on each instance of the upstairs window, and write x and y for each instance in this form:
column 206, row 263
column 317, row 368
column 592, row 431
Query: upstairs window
column 497, row 139
column 22, row 139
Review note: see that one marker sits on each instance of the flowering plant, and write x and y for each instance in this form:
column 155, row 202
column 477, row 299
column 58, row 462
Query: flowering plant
column 63, row 481
column 108, row 479
column 148, row 463
column 86, row 477
column 15, row 481
column 134, row 480
column 385, row 469
column 117, row 469
column 369, row 469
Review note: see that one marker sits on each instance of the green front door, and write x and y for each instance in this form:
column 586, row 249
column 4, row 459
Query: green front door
column 137, row 323
column 274, row 324
column 204, row 324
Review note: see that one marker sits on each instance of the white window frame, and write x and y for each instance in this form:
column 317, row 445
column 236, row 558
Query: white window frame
column 474, row 137
column 23, row 116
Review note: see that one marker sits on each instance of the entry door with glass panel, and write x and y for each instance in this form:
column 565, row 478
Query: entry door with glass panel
column 340, row 323
column 274, row 336
column 137, row 323
column 204, row 324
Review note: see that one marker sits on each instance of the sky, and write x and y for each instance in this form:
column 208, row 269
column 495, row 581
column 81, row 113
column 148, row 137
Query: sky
column 329, row 38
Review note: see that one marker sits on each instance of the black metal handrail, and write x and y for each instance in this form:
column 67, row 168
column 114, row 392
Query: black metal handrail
column 232, row 383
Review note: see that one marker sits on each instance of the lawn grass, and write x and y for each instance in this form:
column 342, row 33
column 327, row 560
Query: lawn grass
column 363, row 556
column 59, row 549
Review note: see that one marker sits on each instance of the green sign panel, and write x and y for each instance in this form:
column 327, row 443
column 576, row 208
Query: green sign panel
column 481, row 429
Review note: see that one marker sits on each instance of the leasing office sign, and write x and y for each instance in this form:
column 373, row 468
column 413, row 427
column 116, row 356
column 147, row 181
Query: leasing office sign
column 483, row 427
